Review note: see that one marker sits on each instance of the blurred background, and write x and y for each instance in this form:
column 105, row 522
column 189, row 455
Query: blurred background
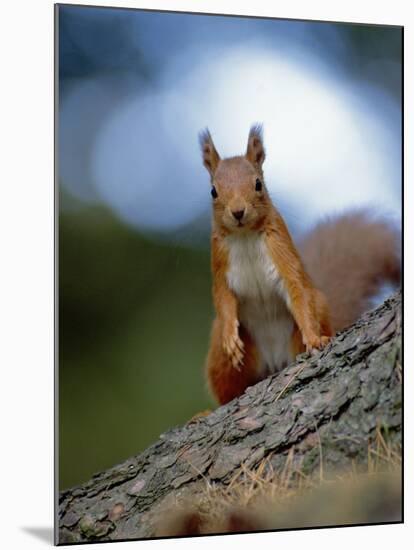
column 135, row 88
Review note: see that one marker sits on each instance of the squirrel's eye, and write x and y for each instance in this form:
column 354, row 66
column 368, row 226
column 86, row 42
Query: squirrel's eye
column 258, row 185
column 214, row 192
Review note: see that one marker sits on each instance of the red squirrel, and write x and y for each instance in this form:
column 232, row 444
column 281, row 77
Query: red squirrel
column 271, row 301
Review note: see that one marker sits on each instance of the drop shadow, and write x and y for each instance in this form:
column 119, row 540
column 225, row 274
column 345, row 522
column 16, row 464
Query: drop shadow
column 43, row 533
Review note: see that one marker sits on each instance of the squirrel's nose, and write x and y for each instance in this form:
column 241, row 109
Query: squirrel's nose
column 238, row 214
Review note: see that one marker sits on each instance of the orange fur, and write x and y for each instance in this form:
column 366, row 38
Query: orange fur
column 242, row 208
column 225, row 302
column 308, row 306
column 226, row 379
column 350, row 257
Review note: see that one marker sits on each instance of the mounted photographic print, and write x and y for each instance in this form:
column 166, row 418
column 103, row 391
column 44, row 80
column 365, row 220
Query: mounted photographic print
column 228, row 197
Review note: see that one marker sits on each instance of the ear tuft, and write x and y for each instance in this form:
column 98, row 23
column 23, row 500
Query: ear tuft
column 255, row 150
column 210, row 156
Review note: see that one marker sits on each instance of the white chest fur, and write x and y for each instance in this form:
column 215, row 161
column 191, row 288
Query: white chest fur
column 262, row 299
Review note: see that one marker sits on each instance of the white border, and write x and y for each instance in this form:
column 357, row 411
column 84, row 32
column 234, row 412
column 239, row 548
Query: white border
column 26, row 269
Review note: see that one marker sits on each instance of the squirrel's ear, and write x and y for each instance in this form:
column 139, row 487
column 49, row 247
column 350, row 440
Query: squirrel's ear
column 255, row 150
column 210, row 156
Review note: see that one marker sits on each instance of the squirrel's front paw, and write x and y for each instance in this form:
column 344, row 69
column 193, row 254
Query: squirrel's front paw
column 314, row 342
column 325, row 340
column 233, row 345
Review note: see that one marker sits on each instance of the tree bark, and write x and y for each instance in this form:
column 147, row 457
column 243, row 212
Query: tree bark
column 325, row 407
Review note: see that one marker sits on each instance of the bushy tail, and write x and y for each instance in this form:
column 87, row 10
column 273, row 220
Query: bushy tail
column 350, row 258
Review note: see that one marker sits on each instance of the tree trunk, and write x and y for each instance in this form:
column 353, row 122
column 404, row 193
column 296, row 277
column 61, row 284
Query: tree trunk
column 325, row 407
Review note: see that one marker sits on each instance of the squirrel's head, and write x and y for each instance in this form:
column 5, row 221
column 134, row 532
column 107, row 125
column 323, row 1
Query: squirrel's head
column 239, row 195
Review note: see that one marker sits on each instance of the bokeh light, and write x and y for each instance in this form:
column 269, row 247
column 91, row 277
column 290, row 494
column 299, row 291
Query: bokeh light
column 333, row 140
